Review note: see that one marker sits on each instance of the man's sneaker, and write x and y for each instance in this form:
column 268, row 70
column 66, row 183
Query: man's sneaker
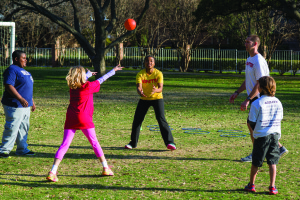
column 250, row 187
column 273, row 190
column 4, row 155
column 128, row 146
column 107, row 172
column 171, row 146
column 29, row 153
column 283, row 151
column 247, row 159
column 52, row 177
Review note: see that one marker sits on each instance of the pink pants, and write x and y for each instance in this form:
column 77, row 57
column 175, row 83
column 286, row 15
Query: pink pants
column 68, row 137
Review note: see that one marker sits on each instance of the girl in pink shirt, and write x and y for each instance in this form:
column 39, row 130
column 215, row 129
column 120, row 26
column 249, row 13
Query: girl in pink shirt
column 80, row 116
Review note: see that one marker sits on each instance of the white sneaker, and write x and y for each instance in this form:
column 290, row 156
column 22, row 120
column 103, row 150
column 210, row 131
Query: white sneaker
column 128, row 146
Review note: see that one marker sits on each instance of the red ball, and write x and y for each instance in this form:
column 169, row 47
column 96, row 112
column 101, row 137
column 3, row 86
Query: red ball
column 130, row 24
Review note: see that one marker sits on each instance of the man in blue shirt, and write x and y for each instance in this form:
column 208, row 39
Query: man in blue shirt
column 17, row 100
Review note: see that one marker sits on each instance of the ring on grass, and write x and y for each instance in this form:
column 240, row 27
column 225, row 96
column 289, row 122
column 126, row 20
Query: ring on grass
column 157, row 129
column 233, row 135
column 191, row 128
column 230, row 131
column 197, row 132
column 152, row 126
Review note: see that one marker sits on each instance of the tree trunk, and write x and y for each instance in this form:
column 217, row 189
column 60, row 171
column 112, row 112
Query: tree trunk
column 119, row 53
column 185, row 58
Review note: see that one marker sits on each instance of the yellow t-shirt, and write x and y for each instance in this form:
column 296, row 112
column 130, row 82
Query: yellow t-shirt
column 148, row 80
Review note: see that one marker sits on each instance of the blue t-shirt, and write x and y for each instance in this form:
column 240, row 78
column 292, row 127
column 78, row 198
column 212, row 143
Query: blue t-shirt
column 22, row 81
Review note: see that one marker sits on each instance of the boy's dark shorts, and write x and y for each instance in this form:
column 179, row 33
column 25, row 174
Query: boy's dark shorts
column 266, row 147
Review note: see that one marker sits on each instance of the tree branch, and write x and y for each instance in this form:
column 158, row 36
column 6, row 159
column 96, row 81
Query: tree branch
column 76, row 20
column 105, row 5
column 113, row 17
column 54, row 18
column 128, row 33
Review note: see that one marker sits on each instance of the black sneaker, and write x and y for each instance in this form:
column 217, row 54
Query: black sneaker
column 29, row 153
column 4, row 155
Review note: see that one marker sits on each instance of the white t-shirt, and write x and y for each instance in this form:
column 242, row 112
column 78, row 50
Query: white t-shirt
column 267, row 112
column 256, row 67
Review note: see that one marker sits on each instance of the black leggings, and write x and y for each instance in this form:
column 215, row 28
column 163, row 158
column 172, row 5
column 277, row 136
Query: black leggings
column 141, row 111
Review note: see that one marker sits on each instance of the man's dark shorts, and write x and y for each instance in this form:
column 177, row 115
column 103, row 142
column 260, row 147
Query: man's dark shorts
column 265, row 147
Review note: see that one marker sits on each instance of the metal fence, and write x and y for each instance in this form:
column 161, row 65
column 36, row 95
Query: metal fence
column 166, row 59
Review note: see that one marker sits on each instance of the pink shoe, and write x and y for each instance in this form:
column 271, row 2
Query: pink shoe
column 107, row 172
column 52, row 177
column 171, row 146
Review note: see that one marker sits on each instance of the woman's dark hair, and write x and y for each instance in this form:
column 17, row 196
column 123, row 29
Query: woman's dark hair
column 17, row 54
column 268, row 86
column 149, row 56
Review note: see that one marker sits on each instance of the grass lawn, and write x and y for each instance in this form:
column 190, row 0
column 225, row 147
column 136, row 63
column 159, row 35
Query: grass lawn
column 205, row 166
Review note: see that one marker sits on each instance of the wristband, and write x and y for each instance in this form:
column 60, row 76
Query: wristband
column 237, row 92
column 249, row 98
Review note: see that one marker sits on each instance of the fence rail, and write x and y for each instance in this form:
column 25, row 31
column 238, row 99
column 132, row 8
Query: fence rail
column 166, row 59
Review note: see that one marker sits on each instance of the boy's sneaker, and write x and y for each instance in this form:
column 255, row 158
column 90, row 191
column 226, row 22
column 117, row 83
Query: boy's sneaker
column 4, row 155
column 128, row 146
column 283, row 151
column 107, row 172
column 250, row 187
column 247, row 159
column 171, row 146
column 273, row 190
column 52, row 177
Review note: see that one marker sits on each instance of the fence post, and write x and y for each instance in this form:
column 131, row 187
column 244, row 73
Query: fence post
column 79, row 56
column 291, row 62
column 213, row 58
column 236, row 61
column 36, row 56
column 54, row 55
column 162, row 61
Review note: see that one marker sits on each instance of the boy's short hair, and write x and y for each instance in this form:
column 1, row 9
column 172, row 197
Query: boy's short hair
column 17, row 54
column 268, row 85
column 255, row 38
column 76, row 77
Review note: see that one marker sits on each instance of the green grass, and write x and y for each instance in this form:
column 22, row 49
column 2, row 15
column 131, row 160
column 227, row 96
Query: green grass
column 204, row 166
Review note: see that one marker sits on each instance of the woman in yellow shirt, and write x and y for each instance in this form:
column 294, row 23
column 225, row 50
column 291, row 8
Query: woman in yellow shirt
column 149, row 84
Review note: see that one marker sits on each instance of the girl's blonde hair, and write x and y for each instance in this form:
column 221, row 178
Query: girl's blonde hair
column 76, row 77
column 268, row 85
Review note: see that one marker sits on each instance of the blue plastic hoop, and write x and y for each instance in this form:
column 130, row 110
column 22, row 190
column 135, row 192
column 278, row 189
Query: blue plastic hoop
column 230, row 131
column 197, row 132
column 191, row 128
column 157, row 129
column 152, row 126
column 233, row 135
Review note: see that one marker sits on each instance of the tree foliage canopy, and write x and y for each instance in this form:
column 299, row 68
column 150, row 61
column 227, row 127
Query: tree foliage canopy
column 208, row 9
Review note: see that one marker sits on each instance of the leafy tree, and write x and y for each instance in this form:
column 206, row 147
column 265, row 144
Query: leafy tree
column 54, row 10
column 208, row 9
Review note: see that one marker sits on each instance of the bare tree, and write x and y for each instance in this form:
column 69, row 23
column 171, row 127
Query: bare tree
column 185, row 32
column 102, row 27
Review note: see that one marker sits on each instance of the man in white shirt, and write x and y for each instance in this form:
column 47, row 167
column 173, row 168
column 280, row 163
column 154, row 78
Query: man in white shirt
column 256, row 67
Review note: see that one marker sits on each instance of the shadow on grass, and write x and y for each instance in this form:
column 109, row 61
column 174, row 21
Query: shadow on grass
column 106, row 148
column 110, row 156
column 39, row 184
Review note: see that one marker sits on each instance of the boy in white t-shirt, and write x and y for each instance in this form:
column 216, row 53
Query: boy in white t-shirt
column 265, row 118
